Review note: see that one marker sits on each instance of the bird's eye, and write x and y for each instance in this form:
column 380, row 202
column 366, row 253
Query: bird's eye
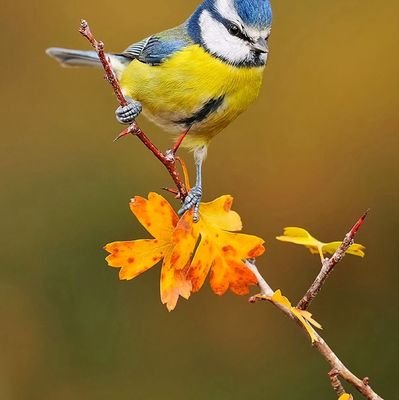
column 234, row 30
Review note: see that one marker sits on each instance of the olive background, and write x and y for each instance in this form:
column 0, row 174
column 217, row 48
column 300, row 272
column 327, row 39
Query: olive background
column 317, row 149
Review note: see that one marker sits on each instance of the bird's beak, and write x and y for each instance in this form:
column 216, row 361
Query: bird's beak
column 261, row 45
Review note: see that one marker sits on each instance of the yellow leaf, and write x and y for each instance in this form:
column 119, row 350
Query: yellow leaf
column 308, row 316
column 299, row 236
column 303, row 237
column 279, row 298
column 346, row 396
column 305, row 317
column 218, row 213
column 155, row 214
column 135, row 257
column 174, row 283
column 355, row 250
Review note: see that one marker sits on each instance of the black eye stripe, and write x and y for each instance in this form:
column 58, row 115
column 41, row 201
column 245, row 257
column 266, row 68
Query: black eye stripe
column 227, row 24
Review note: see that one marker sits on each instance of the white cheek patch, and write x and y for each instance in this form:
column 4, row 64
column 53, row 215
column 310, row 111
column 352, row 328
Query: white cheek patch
column 219, row 41
column 256, row 33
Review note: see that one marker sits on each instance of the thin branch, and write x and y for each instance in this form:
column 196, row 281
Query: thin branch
column 339, row 370
column 168, row 159
column 109, row 72
column 335, row 382
column 265, row 289
column 329, row 264
column 320, row 345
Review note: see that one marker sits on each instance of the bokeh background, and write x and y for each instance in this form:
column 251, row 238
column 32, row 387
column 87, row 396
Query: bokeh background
column 317, row 149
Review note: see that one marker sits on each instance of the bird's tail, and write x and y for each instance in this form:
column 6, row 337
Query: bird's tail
column 79, row 58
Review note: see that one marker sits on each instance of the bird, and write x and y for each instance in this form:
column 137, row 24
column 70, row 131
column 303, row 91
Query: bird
column 193, row 79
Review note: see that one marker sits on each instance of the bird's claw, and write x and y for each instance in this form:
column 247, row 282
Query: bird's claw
column 192, row 201
column 128, row 113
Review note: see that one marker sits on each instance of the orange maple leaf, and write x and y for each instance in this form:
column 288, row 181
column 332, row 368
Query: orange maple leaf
column 220, row 251
column 189, row 250
column 137, row 256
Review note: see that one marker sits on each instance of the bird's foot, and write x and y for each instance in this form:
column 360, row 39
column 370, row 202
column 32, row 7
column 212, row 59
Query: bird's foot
column 127, row 114
column 192, row 201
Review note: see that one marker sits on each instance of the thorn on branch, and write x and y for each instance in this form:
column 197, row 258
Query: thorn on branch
column 335, row 382
column 366, row 381
column 359, row 223
column 171, row 191
column 257, row 298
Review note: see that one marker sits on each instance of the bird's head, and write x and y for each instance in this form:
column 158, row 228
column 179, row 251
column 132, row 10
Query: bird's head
column 236, row 31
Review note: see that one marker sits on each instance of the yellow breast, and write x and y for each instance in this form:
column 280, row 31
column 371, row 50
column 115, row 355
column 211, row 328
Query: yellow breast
column 180, row 87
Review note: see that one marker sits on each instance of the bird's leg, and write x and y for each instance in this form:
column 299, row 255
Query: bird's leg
column 128, row 113
column 193, row 199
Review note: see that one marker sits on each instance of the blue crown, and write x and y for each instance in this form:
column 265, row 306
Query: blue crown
column 254, row 12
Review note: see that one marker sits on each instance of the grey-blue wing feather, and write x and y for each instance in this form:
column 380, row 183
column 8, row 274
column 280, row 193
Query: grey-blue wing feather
column 134, row 50
column 157, row 48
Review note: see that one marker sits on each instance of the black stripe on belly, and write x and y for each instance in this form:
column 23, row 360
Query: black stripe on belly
column 208, row 108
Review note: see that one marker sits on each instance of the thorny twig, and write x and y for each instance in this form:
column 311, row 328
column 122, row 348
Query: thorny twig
column 329, row 265
column 339, row 370
column 168, row 159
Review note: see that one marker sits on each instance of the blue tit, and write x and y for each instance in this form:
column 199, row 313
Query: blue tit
column 196, row 77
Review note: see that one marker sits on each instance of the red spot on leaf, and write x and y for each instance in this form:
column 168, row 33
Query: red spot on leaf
column 227, row 205
column 257, row 251
column 229, row 250
column 175, row 258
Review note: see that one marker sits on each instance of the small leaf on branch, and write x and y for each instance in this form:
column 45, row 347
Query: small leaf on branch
column 346, row 396
column 303, row 237
column 305, row 317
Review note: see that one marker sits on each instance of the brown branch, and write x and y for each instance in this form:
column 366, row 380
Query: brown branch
column 329, row 264
column 109, row 72
column 168, row 159
column 335, row 382
column 340, row 370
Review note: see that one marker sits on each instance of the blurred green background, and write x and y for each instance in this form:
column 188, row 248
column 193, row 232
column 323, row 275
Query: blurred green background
column 317, row 149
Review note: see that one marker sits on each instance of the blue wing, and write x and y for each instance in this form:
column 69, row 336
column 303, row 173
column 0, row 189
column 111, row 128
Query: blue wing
column 155, row 49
